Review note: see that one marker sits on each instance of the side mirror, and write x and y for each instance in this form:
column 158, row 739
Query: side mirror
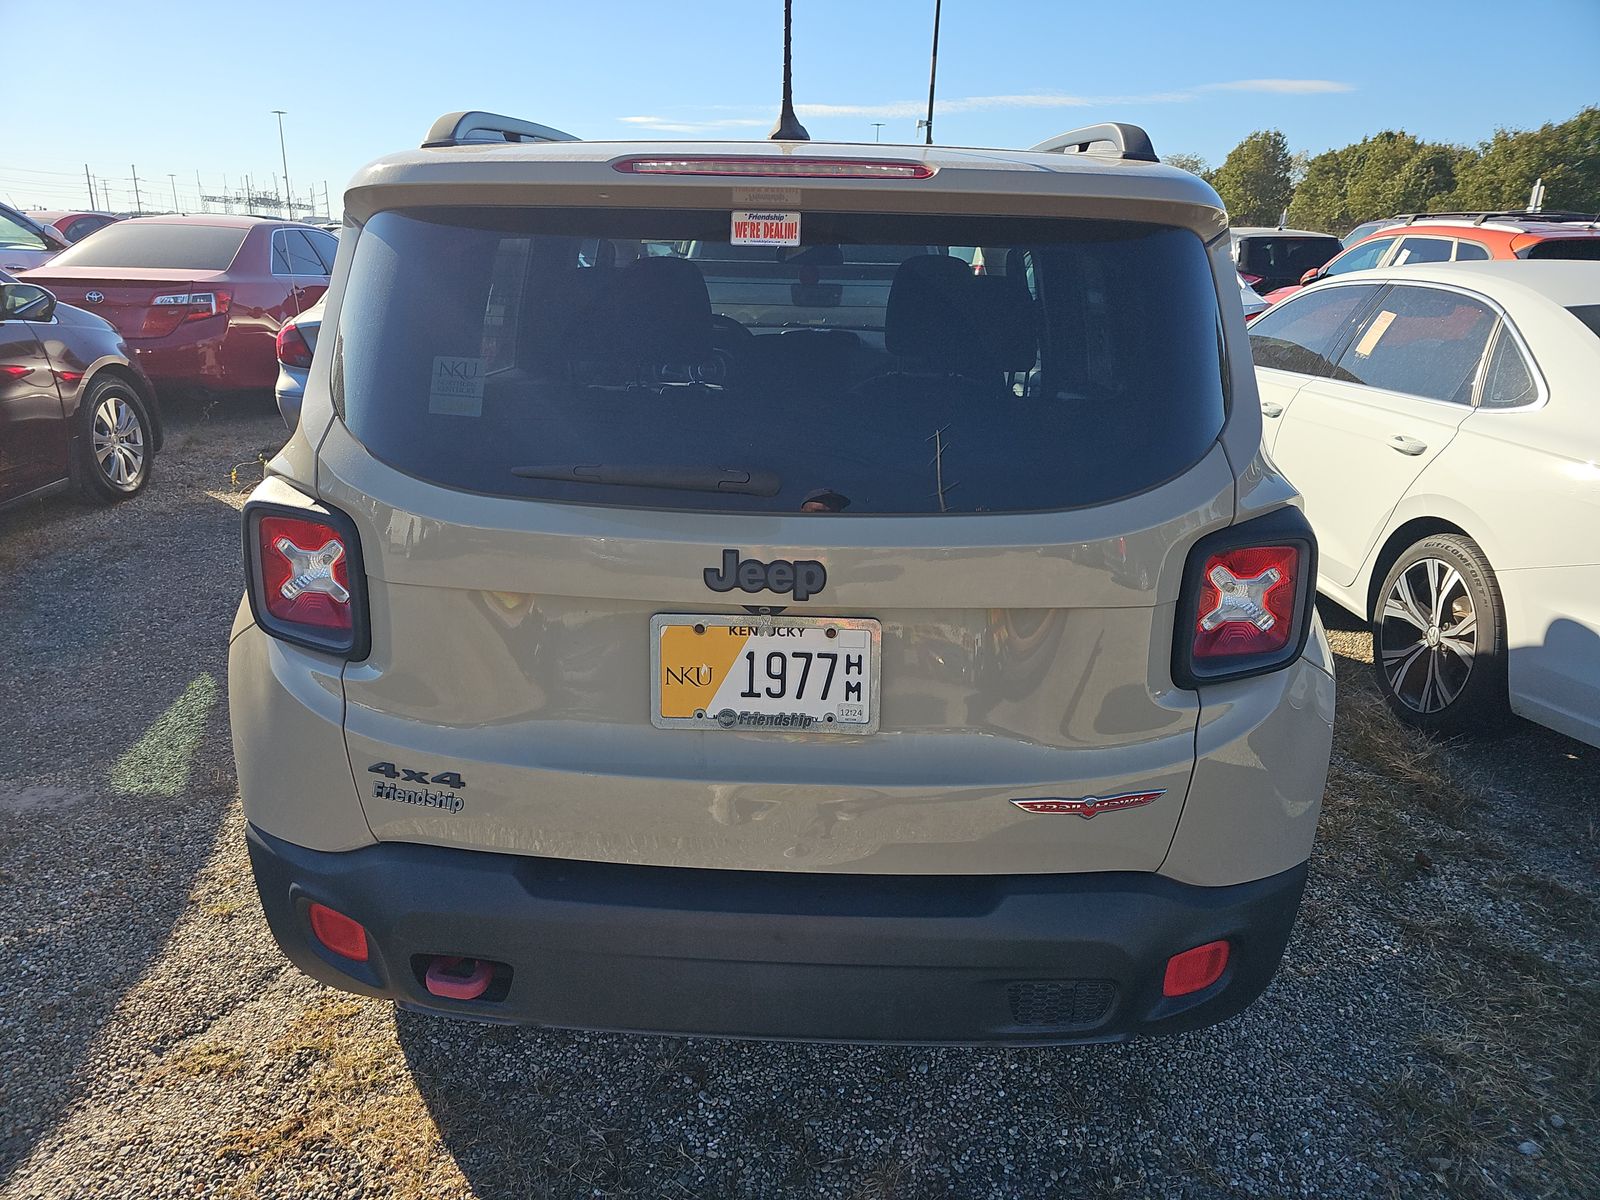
column 25, row 302
column 1311, row 276
column 54, row 239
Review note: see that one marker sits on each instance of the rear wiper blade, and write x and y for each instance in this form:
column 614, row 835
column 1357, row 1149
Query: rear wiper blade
column 681, row 479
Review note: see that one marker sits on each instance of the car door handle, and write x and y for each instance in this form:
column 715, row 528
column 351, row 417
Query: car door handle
column 1407, row 445
column 1269, row 409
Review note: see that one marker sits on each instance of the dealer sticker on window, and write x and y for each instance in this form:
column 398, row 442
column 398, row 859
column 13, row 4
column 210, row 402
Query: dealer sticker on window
column 766, row 228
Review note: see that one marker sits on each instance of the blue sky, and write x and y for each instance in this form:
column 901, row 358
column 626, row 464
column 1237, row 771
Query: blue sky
column 178, row 87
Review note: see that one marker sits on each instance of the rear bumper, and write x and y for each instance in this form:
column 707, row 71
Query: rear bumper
column 181, row 360
column 201, row 356
column 974, row 959
column 290, row 390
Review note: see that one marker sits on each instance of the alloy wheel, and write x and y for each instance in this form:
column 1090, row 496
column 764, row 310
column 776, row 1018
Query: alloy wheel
column 119, row 442
column 1428, row 635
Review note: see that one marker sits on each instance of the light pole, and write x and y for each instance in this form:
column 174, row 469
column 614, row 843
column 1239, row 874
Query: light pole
column 288, row 204
column 877, row 131
column 174, row 179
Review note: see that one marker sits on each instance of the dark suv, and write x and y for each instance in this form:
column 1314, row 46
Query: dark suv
column 1274, row 258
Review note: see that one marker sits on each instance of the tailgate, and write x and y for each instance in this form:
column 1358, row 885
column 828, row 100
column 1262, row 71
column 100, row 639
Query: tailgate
column 518, row 660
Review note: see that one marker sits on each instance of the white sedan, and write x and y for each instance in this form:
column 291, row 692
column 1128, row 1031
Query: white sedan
column 1443, row 424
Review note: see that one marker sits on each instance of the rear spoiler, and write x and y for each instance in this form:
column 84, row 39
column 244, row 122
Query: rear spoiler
column 1130, row 142
column 481, row 128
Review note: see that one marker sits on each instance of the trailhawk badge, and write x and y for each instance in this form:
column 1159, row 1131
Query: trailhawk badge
column 1089, row 806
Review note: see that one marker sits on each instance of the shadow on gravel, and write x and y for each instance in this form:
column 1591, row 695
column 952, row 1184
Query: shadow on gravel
column 1336, row 618
column 558, row 1113
column 1202, row 1116
column 1521, row 756
column 116, row 774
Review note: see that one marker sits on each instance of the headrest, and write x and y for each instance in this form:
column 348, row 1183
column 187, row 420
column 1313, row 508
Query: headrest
column 1008, row 320
column 925, row 305
column 654, row 310
column 662, row 311
column 945, row 317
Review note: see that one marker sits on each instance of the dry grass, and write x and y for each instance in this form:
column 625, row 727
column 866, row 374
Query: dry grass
column 200, row 1058
column 245, row 475
column 1517, row 1039
column 1386, row 780
column 1511, row 1034
column 358, row 1111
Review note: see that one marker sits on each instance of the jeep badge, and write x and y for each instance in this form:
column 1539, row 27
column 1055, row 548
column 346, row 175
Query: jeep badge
column 804, row 578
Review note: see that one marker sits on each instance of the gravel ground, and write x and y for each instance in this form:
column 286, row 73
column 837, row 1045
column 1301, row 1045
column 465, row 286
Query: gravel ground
column 1432, row 1031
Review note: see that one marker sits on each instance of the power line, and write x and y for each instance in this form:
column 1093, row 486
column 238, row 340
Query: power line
column 127, row 193
column 41, row 171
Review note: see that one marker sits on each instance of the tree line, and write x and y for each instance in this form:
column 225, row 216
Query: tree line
column 1393, row 172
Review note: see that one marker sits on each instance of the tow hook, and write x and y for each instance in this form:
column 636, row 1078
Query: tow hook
column 459, row 978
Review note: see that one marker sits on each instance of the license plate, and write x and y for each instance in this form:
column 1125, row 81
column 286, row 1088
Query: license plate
column 775, row 674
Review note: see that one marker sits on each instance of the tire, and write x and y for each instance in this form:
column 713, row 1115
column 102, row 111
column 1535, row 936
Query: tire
column 1439, row 638
column 113, row 445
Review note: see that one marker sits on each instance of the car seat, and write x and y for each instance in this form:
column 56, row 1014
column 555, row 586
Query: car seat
column 943, row 321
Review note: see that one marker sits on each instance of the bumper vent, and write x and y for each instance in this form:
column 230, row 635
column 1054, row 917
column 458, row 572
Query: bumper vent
column 1061, row 1003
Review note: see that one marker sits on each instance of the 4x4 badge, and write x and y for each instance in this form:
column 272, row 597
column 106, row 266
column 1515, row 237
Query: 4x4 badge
column 1089, row 806
column 804, row 577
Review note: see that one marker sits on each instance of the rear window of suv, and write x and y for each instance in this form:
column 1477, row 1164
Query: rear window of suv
column 631, row 357
column 1584, row 249
column 1289, row 255
column 145, row 244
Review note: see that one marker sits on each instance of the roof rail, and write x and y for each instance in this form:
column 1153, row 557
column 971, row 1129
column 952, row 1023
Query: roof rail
column 479, row 128
column 1510, row 214
column 1132, row 143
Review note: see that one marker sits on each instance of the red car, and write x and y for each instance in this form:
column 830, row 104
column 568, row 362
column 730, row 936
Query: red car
column 74, row 226
column 199, row 300
column 1462, row 237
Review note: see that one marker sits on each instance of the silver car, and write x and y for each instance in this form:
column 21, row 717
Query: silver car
column 25, row 243
column 297, row 342
column 938, row 667
column 1249, row 299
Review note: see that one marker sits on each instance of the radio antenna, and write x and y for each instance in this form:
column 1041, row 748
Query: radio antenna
column 788, row 128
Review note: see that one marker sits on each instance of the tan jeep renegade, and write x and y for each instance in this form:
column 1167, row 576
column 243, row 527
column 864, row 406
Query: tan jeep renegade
column 781, row 589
